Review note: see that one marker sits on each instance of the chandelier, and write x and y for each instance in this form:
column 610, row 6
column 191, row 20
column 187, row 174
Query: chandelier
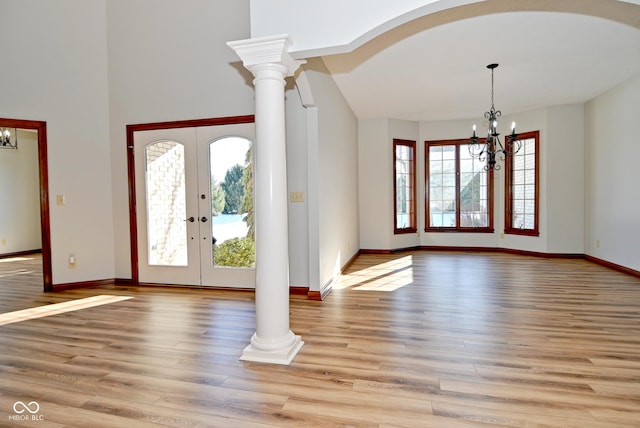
column 5, row 139
column 488, row 149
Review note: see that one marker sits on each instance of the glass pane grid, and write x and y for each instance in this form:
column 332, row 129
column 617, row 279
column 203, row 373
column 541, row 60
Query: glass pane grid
column 523, row 186
column 472, row 188
column 404, row 188
column 166, row 204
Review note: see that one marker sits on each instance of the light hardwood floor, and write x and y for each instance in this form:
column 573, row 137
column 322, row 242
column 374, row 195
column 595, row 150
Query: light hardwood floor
column 422, row 339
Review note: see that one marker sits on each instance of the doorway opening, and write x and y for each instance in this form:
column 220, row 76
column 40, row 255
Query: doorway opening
column 40, row 138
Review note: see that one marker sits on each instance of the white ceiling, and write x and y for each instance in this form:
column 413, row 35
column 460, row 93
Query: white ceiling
column 546, row 58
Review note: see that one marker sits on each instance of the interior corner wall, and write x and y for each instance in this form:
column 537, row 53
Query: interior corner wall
column 337, row 173
column 564, row 187
column 20, row 196
column 58, row 74
column 612, row 175
column 297, row 170
column 374, row 178
column 169, row 61
column 533, row 120
column 405, row 130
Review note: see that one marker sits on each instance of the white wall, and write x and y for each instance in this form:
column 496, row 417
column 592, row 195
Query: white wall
column 337, row 161
column 20, row 196
column 612, row 175
column 565, row 174
column 297, row 175
column 375, row 184
column 375, row 178
column 169, row 61
column 56, row 71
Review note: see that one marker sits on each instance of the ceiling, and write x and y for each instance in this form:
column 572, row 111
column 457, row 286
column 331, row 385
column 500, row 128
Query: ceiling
column 438, row 72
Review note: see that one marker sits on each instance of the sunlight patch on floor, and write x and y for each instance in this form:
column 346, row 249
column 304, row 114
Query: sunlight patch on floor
column 387, row 276
column 59, row 308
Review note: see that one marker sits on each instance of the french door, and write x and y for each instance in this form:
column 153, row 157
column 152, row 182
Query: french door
column 194, row 205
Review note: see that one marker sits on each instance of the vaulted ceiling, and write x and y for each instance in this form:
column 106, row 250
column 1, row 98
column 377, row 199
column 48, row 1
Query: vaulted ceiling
column 435, row 68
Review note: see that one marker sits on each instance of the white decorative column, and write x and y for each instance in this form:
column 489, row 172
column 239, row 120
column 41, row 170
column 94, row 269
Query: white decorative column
column 268, row 60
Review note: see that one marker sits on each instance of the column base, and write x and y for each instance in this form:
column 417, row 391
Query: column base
column 279, row 356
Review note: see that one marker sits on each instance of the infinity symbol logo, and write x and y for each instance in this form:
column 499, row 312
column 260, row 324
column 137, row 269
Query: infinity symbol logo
column 33, row 407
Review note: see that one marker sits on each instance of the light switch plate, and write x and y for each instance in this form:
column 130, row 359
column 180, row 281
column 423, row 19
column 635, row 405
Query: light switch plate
column 296, row 196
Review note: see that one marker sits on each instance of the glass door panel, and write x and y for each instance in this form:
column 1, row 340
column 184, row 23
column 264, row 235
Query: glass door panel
column 166, row 204
column 227, row 243
column 232, row 202
column 166, row 167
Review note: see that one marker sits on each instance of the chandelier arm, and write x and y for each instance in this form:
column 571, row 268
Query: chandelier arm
column 489, row 149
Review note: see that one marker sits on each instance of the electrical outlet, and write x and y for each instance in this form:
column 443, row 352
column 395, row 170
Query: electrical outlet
column 597, row 243
column 72, row 262
column 60, row 200
column 3, row 241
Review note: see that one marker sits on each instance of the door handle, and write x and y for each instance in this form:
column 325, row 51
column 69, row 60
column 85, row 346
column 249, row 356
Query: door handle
column 191, row 219
column 203, row 219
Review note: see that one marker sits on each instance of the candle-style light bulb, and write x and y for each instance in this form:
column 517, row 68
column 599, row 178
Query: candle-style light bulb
column 474, row 130
column 513, row 127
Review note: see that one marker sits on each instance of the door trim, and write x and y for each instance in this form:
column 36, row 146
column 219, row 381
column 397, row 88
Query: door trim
column 45, row 222
column 131, row 172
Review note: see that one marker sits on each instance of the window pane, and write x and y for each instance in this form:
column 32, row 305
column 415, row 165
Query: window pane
column 449, row 166
column 449, row 194
column 529, row 191
column 518, row 162
column 436, row 181
column 166, row 204
column 518, row 177
column 473, row 191
column 523, row 193
column 529, row 146
column 518, row 192
column 448, row 179
column 530, row 176
column 518, row 207
column 448, row 152
column 404, row 158
column 457, row 186
column 528, row 221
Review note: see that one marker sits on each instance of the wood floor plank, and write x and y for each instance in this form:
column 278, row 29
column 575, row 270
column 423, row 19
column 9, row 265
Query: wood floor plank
column 410, row 339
